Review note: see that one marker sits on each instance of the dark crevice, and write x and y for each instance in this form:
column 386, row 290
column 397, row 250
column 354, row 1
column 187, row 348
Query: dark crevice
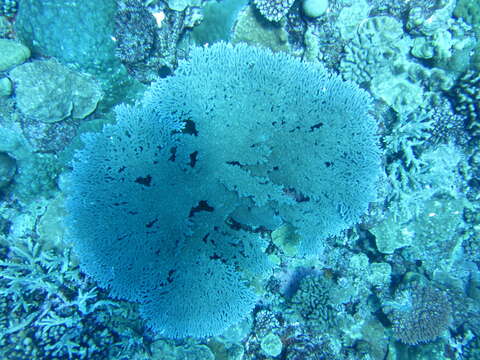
column 173, row 156
column 316, row 126
column 190, row 128
column 151, row 223
column 202, row 206
column 193, row 159
column 295, row 194
column 170, row 276
column 145, row 181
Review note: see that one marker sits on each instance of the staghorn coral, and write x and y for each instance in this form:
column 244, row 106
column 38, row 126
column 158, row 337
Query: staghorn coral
column 49, row 311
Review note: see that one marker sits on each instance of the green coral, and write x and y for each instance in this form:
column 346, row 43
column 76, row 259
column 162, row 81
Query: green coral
column 271, row 345
column 7, row 169
column 12, row 53
column 469, row 11
column 253, row 30
column 36, row 177
column 312, row 302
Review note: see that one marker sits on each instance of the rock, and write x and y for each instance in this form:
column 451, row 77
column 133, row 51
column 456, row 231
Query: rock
column 49, row 92
column 5, row 87
column 12, row 54
column 74, row 32
column 51, row 226
column 178, row 5
column 315, row 8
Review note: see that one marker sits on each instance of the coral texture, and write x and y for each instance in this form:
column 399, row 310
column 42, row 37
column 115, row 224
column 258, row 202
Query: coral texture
column 274, row 10
column 422, row 315
column 164, row 205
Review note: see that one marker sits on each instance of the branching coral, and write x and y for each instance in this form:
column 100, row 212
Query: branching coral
column 48, row 310
column 164, row 205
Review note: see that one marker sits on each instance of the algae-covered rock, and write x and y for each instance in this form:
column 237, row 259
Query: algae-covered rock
column 49, row 92
column 51, row 226
column 315, row 8
column 351, row 16
column 75, row 31
column 402, row 95
column 437, row 233
column 252, row 29
column 5, row 87
column 271, row 345
column 218, row 21
column 166, row 350
column 12, row 54
column 286, row 239
column 391, row 235
column 379, row 274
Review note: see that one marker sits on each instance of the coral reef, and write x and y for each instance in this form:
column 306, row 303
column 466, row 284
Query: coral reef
column 231, row 204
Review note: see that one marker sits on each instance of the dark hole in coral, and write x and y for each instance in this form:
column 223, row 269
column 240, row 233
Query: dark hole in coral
column 214, row 257
column 122, row 169
column 193, row 158
column 295, row 194
column 202, row 206
column 205, row 238
column 328, row 163
column 316, row 126
column 170, row 275
column 145, row 181
column 164, row 71
column 151, row 223
column 173, row 157
column 190, row 128
column 234, row 163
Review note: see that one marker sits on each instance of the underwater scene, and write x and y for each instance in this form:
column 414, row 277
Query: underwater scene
column 239, row 179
